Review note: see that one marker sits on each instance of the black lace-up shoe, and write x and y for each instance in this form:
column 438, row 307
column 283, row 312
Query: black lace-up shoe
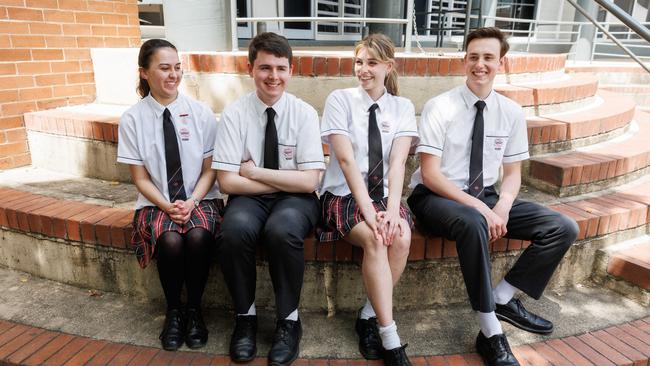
column 396, row 357
column 495, row 350
column 173, row 333
column 243, row 341
column 369, row 341
column 286, row 340
column 197, row 333
column 514, row 313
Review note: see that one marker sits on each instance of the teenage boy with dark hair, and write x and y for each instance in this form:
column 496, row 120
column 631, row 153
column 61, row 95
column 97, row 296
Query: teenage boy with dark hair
column 466, row 135
column 268, row 157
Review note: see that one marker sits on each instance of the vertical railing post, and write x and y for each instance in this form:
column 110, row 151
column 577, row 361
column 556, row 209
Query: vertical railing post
column 409, row 25
column 233, row 25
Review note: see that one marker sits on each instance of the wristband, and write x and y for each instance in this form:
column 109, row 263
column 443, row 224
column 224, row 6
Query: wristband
column 196, row 202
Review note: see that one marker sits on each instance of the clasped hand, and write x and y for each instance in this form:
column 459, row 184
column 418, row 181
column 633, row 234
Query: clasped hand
column 384, row 224
column 180, row 211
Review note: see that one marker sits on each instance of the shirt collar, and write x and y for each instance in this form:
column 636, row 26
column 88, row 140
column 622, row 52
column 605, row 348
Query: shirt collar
column 470, row 98
column 158, row 108
column 260, row 107
column 367, row 100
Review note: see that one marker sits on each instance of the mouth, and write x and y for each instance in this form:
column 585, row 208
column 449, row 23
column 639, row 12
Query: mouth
column 272, row 85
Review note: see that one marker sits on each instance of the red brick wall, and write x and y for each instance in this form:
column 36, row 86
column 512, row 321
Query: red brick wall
column 45, row 58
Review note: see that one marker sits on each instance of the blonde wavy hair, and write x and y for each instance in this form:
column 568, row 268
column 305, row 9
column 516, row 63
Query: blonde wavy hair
column 381, row 48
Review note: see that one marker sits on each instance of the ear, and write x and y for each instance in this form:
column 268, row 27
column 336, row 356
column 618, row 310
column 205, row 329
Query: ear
column 143, row 73
column 250, row 69
column 502, row 63
column 291, row 69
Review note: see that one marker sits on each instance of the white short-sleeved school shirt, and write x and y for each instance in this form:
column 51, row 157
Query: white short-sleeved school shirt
column 241, row 130
column 346, row 113
column 446, row 131
column 141, row 141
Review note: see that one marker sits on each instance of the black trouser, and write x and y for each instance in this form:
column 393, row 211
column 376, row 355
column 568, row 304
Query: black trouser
column 551, row 235
column 278, row 221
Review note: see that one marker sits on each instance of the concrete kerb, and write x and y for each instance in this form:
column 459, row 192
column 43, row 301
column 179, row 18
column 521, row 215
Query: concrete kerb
column 328, row 286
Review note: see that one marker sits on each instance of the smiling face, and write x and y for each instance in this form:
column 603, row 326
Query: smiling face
column 163, row 75
column 271, row 75
column 482, row 62
column 371, row 72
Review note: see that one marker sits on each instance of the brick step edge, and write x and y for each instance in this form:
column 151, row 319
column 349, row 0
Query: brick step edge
column 111, row 227
column 575, row 169
column 623, row 344
column 632, row 265
column 335, row 65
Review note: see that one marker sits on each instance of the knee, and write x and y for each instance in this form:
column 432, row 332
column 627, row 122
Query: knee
column 236, row 228
column 373, row 247
column 198, row 239
column 567, row 229
column 402, row 243
column 170, row 244
column 279, row 238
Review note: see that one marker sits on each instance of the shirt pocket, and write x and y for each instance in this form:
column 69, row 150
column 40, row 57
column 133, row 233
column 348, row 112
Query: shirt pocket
column 287, row 156
column 495, row 144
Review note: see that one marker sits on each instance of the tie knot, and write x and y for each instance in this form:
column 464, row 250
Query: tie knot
column 480, row 105
column 167, row 113
column 373, row 107
column 270, row 112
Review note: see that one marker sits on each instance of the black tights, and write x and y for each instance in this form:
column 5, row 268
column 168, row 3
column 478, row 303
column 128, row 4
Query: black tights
column 184, row 259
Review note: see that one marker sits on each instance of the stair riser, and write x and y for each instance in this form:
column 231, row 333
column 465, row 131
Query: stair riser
column 82, row 157
column 423, row 284
column 553, row 182
column 602, row 278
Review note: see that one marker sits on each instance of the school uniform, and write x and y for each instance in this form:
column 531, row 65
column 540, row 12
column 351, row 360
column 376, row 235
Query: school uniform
column 446, row 129
column 279, row 221
column 347, row 113
column 141, row 142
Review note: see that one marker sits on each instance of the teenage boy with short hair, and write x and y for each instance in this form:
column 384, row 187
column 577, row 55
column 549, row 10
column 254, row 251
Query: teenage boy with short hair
column 268, row 157
column 466, row 135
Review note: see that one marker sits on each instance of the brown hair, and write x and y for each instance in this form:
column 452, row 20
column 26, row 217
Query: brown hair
column 270, row 42
column 147, row 50
column 383, row 49
column 489, row 32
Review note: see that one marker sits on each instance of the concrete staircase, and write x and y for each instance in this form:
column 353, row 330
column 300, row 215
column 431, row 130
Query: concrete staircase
column 68, row 217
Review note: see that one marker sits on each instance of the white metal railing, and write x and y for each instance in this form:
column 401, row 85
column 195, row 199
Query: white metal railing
column 406, row 21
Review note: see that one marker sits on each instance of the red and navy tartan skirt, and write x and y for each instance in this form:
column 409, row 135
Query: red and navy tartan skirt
column 341, row 213
column 150, row 222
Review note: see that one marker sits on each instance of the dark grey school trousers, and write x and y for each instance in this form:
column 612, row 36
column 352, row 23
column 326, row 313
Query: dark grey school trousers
column 279, row 222
column 550, row 233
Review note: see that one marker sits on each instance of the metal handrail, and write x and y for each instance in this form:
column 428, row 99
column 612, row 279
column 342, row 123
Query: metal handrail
column 616, row 41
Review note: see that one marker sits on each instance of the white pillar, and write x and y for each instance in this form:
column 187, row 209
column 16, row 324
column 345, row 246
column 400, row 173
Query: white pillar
column 198, row 25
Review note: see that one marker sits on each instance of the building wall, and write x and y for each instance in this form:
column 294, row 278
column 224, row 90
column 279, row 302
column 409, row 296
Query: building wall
column 45, row 58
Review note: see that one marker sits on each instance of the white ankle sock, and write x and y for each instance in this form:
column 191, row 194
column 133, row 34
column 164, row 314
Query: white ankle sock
column 489, row 324
column 389, row 336
column 293, row 315
column 504, row 292
column 367, row 311
column 251, row 311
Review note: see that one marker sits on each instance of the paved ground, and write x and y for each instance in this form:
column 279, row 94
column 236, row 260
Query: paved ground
column 50, row 305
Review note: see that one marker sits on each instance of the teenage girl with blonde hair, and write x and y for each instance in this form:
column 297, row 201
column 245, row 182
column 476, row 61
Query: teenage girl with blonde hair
column 370, row 130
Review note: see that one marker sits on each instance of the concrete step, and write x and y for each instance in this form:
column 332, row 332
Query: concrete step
column 83, row 240
column 594, row 167
column 220, row 78
column 81, row 140
column 607, row 72
column 46, row 321
column 566, row 89
column 606, row 118
column 639, row 92
column 625, row 268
